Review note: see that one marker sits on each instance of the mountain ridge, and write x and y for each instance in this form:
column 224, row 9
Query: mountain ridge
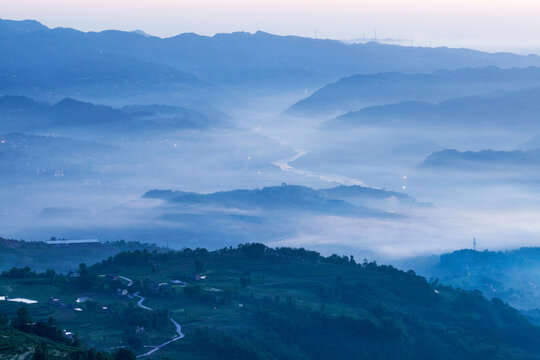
column 362, row 90
column 235, row 57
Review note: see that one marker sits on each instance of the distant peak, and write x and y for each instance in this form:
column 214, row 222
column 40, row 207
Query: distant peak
column 21, row 25
column 69, row 100
column 16, row 99
column 73, row 103
column 142, row 33
column 234, row 34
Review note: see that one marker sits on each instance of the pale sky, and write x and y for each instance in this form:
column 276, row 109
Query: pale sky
column 508, row 25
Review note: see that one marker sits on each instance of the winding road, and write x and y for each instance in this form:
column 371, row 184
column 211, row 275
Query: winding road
column 176, row 325
column 130, row 282
column 139, row 303
column 156, row 348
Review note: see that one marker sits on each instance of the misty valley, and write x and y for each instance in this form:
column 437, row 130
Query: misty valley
column 258, row 196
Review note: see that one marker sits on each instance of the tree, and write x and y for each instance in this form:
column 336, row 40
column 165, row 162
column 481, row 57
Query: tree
column 199, row 266
column 4, row 320
column 22, row 320
column 50, row 273
column 132, row 340
column 124, row 354
column 245, row 281
column 41, row 353
column 50, row 322
column 86, row 278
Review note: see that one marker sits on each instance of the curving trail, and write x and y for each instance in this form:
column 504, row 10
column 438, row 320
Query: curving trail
column 178, row 327
column 130, row 282
column 156, row 348
column 139, row 303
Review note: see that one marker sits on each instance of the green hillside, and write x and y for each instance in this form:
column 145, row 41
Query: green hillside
column 30, row 344
column 255, row 302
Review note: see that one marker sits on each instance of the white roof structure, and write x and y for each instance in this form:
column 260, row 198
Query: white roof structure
column 67, row 242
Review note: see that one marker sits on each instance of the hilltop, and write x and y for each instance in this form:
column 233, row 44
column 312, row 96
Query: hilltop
column 41, row 256
column 255, row 302
column 509, row 275
column 20, row 113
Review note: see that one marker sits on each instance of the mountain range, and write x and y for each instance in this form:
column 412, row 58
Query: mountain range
column 36, row 59
column 362, row 90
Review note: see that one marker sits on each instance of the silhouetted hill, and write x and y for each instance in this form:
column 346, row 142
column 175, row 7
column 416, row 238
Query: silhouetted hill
column 284, row 198
column 363, row 192
column 10, row 103
column 19, row 113
column 21, row 25
column 176, row 113
column 141, row 32
column 358, row 91
column 509, row 275
column 70, row 112
column 95, row 65
column 514, row 109
column 486, row 158
column 42, row 256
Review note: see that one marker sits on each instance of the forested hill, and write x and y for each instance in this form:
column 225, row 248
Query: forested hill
column 41, row 256
column 256, row 302
column 510, row 275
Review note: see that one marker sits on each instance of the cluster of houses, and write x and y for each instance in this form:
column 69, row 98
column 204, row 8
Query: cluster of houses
column 54, row 241
column 151, row 286
column 156, row 287
column 61, row 305
column 57, row 303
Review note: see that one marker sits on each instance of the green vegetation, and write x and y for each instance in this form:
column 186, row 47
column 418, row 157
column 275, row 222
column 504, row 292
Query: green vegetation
column 255, row 302
column 512, row 276
column 62, row 258
column 21, row 338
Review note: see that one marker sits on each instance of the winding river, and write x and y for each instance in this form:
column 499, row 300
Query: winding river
column 284, row 165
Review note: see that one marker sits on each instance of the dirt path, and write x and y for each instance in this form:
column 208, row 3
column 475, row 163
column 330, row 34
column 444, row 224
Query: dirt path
column 130, row 282
column 156, row 348
column 178, row 327
column 139, row 303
